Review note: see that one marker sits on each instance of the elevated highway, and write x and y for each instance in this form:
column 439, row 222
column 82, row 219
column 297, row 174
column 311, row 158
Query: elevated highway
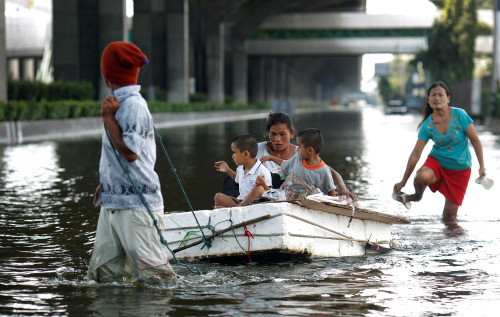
column 326, row 48
column 340, row 33
column 347, row 32
column 256, row 51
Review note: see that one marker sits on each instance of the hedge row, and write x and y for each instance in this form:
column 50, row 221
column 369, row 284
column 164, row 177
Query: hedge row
column 34, row 110
column 67, row 109
column 66, row 90
column 58, row 90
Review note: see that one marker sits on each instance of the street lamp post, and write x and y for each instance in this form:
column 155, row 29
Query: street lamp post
column 496, row 49
column 3, row 55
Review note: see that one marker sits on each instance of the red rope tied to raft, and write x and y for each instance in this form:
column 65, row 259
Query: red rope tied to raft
column 248, row 234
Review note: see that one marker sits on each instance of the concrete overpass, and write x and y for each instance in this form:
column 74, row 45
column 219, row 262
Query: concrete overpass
column 326, row 48
column 218, row 33
column 340, row 33
column 323, row 51
column 255, row 51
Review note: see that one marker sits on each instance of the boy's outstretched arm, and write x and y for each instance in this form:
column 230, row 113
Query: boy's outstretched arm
column 276, row 160
column 222, row 167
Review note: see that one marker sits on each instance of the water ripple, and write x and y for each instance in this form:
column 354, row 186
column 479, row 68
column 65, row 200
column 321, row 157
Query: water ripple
column 48, row 226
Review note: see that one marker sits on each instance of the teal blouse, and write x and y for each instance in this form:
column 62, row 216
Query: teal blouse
column 452, row 149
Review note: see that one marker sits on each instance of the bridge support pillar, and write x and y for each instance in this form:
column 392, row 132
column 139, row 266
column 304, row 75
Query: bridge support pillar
column 111, row 15
column 262, row 80
column 215, row 65
column 81, row 30
column 150, row 35
column 240, row 72
column 291, row 84
column 284, row 82
column 27, row 69
column 66, row 40
column 271, row 79
column 178, row 50
column 13, row 68
column 3, row 55
column 256, row 79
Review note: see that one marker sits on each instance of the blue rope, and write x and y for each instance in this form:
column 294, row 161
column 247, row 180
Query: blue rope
column 155, row 222
column 211, row 228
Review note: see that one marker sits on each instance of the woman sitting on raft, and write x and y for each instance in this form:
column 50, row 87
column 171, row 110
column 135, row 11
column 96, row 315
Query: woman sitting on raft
column 279, row 128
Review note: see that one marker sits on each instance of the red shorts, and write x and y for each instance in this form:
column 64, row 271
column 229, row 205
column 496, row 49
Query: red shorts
column 452, row 184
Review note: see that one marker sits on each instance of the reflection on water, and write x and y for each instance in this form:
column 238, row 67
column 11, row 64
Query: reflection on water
column 48, row 225
column 29, row 171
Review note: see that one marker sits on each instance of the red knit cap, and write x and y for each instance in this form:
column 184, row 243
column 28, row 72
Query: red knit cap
column 120, row 63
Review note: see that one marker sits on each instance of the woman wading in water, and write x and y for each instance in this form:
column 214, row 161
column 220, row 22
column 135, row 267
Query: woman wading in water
column 448, row 166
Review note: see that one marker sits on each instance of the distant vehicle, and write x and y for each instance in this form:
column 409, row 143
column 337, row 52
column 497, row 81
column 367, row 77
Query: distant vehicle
column 358, row 99
column 396, row 106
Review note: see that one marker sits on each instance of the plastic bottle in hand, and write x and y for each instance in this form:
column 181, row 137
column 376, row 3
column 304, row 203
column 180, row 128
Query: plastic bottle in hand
column 485, row 181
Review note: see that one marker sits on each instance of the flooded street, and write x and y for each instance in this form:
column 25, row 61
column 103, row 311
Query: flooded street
column 48, row 226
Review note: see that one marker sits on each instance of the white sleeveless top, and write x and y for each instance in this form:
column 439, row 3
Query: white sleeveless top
column 271, row 166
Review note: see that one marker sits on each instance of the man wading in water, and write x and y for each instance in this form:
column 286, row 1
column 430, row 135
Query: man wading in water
column 127, row 245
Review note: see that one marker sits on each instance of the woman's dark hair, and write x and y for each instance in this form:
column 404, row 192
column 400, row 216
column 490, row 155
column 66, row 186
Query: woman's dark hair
column 277, row 118
column 427, row 109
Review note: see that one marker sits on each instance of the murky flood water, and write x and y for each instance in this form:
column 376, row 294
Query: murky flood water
column 48, row 225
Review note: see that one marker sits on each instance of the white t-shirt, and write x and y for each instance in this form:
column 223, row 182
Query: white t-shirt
column 247, row 181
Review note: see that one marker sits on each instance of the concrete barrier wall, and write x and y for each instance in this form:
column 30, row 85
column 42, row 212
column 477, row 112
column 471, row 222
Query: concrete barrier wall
column 28, row 131
column 6, row 131
column 12, row 132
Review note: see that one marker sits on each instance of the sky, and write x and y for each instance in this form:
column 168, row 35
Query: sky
column 413, row 7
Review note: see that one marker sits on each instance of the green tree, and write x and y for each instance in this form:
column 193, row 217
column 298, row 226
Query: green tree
column 484, row 4
column 399, row 75
column 394, row 85
column 384, row 89
column 450, row 56
column 481, row 4
column 438, row 3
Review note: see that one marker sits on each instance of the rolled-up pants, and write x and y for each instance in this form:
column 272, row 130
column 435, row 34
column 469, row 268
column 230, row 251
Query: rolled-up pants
column 127, row 247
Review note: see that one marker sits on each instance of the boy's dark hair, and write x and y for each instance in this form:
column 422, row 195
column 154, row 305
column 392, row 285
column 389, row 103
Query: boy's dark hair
column 278, row 117
column 311, row 138
column 246, row 142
